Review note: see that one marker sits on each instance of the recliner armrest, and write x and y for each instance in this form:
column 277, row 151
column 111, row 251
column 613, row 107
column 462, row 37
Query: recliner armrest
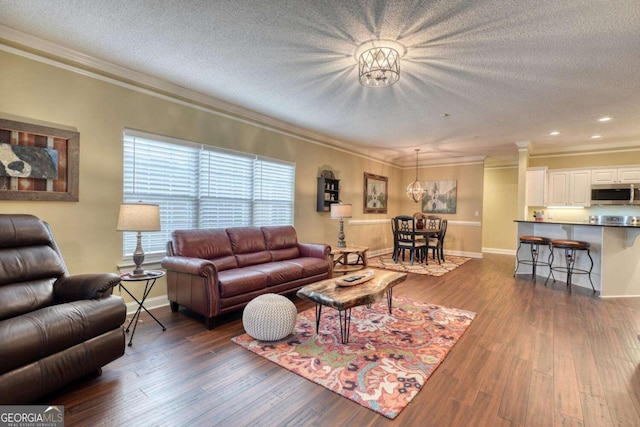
column 84, row 286
column 315, row 250
column 197, row 266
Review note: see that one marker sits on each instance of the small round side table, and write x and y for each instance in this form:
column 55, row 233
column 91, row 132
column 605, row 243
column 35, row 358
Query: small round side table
column 150, row 277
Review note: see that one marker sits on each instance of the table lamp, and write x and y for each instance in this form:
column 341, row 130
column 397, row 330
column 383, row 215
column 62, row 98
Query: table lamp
column 341, row 211
column 138, row 217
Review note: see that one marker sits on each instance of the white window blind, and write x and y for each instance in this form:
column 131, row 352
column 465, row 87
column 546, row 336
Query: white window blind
column 199, row 186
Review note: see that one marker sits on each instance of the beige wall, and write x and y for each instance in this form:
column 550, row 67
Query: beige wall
column 464, row 234
column 500, row 209
column 100, row 111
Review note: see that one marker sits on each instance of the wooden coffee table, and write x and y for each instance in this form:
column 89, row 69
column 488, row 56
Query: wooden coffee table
column 344, row 298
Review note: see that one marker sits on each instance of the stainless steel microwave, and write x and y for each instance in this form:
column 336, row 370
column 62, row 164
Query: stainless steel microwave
column 615, row 194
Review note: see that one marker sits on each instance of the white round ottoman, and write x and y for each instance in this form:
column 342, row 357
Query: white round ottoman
column 269, row 317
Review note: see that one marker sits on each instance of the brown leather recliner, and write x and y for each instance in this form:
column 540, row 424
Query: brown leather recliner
column 54, row 327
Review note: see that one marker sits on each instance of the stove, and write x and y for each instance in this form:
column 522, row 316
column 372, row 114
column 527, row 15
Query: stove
column 614, row 220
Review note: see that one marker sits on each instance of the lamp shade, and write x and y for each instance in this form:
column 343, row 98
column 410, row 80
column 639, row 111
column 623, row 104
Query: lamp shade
column 339, row 211
column 138, row 217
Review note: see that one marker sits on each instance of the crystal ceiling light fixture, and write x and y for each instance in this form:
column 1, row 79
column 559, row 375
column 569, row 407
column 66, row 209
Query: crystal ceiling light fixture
column 416, row 191
column 379, row 62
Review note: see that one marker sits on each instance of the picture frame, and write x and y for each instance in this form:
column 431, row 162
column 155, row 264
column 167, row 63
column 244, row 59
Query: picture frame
column 375, row 193
column 38, row 163
column 441, row 197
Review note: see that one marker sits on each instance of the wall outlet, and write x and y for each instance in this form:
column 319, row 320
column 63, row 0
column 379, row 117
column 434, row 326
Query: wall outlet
column 476, row 213
column 550, row 214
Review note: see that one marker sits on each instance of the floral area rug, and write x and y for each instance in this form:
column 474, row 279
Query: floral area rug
column 388, row 359
column 386, row 262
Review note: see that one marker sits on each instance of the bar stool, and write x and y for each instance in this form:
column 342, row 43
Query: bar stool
column 535, row 242
column 570, row 247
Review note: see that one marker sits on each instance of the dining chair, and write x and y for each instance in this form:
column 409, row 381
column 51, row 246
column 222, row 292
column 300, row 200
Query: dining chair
column 407, row 240
column 436, row 243
column 432, row 222
column 395, row 240
column 420, row 219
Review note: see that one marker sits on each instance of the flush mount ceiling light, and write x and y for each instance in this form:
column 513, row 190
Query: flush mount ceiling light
column 379, row 62
column 416, row 191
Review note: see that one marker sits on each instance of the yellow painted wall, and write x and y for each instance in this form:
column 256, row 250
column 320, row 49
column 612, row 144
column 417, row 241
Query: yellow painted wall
column 500, row 209
column 100, row 111
column 466, row 236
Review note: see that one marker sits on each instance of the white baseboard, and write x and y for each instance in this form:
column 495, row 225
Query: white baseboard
column 464, row 254
column 499, row 251
column 150, row 304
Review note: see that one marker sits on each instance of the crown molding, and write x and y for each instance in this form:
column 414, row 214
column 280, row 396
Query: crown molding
column 588, row 150
column 460, row 161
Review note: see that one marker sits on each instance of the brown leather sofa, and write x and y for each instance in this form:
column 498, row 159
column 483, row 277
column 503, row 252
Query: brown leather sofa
column 215, row 271
column 54, row 328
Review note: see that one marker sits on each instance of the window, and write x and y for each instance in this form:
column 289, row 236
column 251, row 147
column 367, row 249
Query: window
column 199, row 186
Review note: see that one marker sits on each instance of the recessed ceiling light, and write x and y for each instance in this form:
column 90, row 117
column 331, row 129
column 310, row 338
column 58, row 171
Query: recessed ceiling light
column 554, row 133
column 596, row 136
column 604, row 119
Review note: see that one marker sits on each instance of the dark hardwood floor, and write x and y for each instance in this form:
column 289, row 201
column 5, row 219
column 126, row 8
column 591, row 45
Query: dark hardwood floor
column 534, row 356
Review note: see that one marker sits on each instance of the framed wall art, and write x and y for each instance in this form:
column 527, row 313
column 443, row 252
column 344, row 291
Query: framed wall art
column 38, row 162
column 375, row 193
column 441, row 197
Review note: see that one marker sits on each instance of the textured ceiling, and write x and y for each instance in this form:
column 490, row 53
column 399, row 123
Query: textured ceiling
column 498, row 71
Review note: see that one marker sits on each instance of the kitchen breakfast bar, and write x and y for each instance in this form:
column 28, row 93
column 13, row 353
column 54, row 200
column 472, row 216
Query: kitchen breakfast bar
column 614, row 249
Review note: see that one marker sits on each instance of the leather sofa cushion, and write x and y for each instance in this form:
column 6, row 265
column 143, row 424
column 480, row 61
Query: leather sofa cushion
column 225, row 262
column 253, row 258
column 29, row 263
column 280, row 237
column 279, row 272
column 23, row 230
column 246, row 240
column 249, row 246
column 41, row 333
column 310, row 266
column 282, row 242
column 204, row 244
column 20, row 298
column 240, row 281
column 283, row 254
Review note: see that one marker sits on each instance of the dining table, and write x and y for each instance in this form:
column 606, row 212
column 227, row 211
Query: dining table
column 425, row 233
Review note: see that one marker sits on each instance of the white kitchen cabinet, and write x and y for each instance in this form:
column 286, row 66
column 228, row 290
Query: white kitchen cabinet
column 580, row 188
column 569, row 188
column 626, row 175
column 536, row 189
column 604, row 176
column 629, row 175
column 558, row 194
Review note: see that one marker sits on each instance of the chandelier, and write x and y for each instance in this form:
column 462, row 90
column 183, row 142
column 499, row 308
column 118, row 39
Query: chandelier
column 415, row 190
column 379, row 63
